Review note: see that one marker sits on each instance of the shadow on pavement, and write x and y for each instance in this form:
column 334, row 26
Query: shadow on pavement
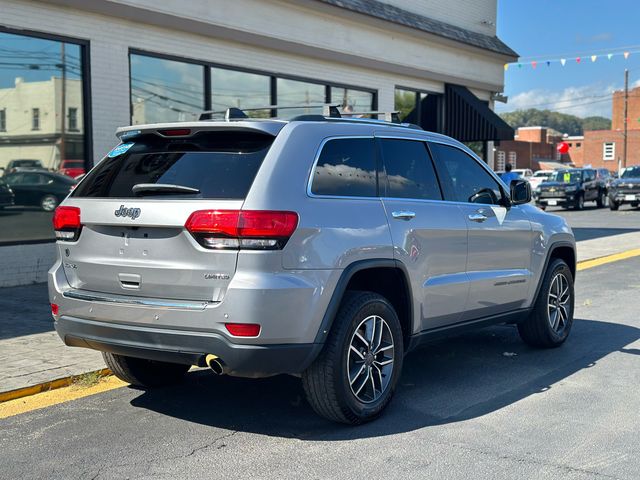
column 450, row 381
column 583, row 233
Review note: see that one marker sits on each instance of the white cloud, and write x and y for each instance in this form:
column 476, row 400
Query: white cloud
column 585, row 101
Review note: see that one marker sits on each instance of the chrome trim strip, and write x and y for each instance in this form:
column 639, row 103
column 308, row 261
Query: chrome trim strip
column 136, row 301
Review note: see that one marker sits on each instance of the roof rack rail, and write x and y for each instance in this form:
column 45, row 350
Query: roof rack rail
column 329, row 112
column 236, row 113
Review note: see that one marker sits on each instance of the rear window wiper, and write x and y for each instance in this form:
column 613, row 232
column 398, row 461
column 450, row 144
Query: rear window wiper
column 161, row 188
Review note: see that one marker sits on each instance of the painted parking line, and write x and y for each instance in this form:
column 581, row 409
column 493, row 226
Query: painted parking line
column 55, row 397
column 596, row 262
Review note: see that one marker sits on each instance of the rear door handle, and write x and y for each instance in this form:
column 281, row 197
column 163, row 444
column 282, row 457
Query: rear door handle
column 403, row 215
column 477, row 217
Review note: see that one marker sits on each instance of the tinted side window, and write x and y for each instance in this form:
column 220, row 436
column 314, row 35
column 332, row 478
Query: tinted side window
column 409, row 169
column 463, row 179
column 346, row 167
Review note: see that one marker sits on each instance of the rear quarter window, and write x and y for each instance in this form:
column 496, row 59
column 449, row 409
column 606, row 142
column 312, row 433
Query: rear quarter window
column 346, row 167
column 221, row 165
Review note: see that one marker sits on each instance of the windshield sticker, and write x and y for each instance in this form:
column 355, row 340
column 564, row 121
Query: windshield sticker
column 567, row 177
column 120, row 149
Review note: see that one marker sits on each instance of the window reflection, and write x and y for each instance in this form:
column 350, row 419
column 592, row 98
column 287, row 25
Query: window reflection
column 242, row 90
column 41, row 130
column 294, row 93
column 351, row 101
column 165, row 90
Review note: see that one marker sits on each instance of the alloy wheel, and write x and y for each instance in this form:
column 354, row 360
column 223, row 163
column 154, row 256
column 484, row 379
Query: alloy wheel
column 370, row 359
column 558, row 303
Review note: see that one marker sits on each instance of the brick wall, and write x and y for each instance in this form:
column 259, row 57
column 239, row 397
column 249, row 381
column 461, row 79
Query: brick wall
column 593, row 148
column 633, row 109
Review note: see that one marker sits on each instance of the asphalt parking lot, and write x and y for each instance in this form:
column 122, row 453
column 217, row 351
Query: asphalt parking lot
column 481, row 406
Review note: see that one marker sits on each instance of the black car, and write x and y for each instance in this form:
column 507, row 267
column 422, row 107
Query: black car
column 571, row 187
column 6, row 195
column 625, row 189
column 44, row 189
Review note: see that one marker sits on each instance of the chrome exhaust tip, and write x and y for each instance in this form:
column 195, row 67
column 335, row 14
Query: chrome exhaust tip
column 215, row 364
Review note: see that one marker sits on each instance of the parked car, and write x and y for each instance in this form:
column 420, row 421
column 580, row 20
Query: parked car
column 321, row 247
column 539, row 177
column 72, row 168
column 525, row 173
column 43, row 189
column 6, row 195
column 571, row 188
column 626, row 189
column 14, row 165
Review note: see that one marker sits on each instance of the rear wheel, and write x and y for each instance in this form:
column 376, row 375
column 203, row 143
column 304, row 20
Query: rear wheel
column 144, row 373
column 355, row 375
column 48, row 203
column 550, row 322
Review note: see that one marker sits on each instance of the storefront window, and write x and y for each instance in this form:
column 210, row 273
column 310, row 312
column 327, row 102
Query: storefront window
column 405, row 102
column 352, row 101
column 230, row 88
column 165, row 90
column 294, row 93
column 40, row 81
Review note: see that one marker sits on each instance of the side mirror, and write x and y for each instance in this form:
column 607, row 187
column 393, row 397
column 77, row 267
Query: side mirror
column 520, row 192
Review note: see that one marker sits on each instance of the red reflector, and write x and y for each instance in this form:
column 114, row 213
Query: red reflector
column 243, row 329
column 66, row 217
column 54, row 309
column 176, row 132
column 243, row 223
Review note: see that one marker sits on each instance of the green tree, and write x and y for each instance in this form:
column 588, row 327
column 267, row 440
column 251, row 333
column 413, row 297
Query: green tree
column 562, row 122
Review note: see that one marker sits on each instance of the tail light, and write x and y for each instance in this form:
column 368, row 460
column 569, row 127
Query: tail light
column 66, row 223
column 242, row 229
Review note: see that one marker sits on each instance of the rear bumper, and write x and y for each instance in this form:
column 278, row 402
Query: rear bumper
column 186, row 347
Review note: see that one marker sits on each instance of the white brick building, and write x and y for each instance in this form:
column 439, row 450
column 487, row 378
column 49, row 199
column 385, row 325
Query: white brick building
column 146, row 60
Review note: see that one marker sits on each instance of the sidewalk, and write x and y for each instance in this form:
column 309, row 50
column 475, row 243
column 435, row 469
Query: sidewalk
column 32, row 353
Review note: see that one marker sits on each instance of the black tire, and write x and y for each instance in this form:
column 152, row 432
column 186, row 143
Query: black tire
column 600, row 199
column 613, row 205
column 326, row 381
column 536, row 330
column 144, row 373
column 579, row 202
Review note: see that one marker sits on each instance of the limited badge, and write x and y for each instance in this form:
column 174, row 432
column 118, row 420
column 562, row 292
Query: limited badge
column 120, row 149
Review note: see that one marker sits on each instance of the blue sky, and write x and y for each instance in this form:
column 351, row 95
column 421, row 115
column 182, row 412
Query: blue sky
column 556, row 29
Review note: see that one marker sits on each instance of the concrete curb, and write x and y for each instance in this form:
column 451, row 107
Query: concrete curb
column 50, row 385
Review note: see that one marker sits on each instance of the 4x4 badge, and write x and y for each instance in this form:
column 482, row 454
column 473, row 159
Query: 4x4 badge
column 127, row 212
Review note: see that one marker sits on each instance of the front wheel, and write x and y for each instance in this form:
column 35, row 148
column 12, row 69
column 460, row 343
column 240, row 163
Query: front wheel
column 550, row 322
column 600, row 199
column 579, row 205
column 613, row 205
column 144, row 373
column 355, row 375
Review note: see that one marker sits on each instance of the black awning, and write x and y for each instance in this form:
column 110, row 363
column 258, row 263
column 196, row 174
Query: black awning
column 468, row 119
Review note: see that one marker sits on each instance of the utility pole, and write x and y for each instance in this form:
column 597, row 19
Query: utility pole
column 63, row 101
column 626, row 114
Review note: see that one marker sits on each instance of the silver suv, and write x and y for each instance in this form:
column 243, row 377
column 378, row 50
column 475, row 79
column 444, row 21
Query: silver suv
column 321, row 247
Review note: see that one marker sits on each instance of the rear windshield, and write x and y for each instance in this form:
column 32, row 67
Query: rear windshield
column 221, row 165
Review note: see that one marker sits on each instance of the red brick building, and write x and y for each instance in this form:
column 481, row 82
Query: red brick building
column 605, row 148
column 530, row 147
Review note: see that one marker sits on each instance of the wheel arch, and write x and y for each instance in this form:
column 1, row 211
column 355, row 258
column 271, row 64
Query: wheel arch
column 379, row 276
column 563, row 250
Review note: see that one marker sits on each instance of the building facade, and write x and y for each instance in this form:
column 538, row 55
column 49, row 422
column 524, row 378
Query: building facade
column 124, row 62
column 605, row 148
column 532, row 147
